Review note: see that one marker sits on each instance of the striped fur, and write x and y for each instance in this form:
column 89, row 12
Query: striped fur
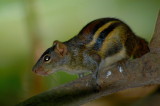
column 110, row 38
column 103, row 36
column 100, row 43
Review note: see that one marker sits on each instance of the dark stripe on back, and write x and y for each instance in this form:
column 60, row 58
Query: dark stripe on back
column 89, row 30
column 98, row 25
column 116, row 47
column 104, row 34
column 101, row 23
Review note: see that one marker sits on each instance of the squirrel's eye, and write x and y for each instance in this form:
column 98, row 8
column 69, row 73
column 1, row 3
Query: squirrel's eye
column 47, row 58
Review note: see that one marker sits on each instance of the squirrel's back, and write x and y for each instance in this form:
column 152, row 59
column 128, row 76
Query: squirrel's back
column 109, row 37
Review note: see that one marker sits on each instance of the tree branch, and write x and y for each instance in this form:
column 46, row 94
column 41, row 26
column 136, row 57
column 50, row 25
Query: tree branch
column 133, row 73
column 155, row 45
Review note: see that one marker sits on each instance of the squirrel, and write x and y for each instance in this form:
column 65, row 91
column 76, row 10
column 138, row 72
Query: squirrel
column 99, row 44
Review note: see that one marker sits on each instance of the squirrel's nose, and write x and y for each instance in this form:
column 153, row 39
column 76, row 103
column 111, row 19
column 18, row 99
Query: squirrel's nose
column 34, row 69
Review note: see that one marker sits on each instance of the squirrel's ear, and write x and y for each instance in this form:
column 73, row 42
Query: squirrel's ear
column 60, row 47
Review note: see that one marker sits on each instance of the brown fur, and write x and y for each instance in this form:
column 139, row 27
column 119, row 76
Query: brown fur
column 100, row 43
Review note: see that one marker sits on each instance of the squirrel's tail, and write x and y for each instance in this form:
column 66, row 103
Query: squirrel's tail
column 141, row 48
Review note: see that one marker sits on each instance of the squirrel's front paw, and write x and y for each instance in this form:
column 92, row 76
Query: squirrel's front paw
column 95, row 83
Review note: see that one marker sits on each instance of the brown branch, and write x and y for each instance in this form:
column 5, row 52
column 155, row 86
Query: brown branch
column 133, row 73
column 155, row 41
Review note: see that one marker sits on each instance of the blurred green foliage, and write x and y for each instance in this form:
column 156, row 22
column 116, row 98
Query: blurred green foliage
column 57, row 20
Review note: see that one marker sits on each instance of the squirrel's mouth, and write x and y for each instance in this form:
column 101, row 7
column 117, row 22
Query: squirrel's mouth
column 40, row 71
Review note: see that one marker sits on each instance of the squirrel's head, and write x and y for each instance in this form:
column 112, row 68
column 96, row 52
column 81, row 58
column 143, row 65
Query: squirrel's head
column 52, row 59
